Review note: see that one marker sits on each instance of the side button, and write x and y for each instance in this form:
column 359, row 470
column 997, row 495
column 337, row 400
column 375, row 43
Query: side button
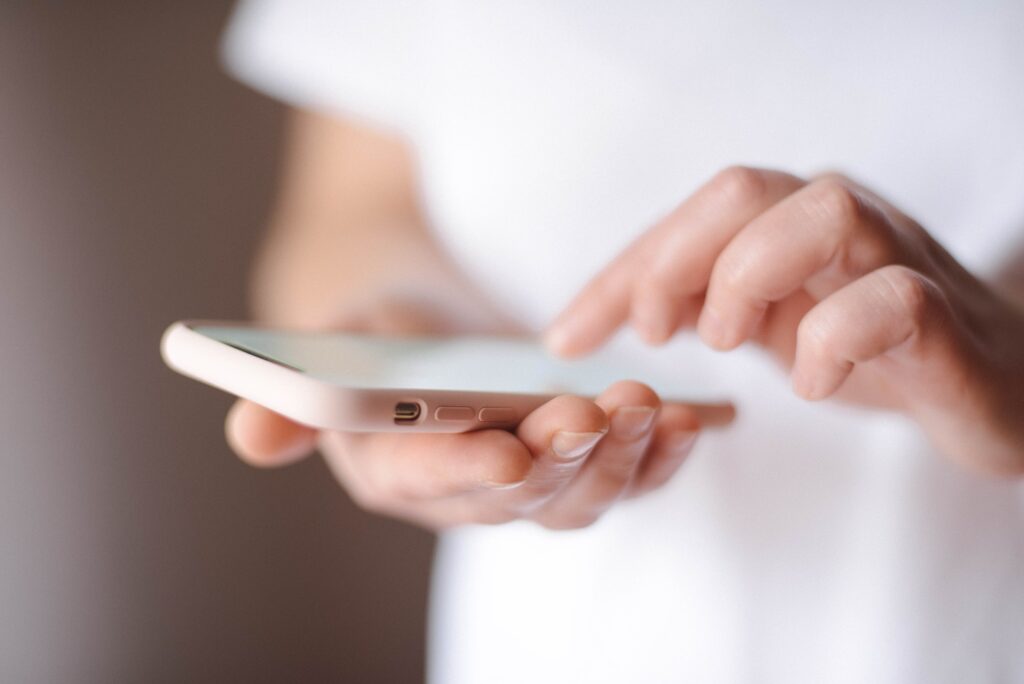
column 453, row 413
column 494, row 414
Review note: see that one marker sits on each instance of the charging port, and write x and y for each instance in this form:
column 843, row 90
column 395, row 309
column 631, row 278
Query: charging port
column 407, row 412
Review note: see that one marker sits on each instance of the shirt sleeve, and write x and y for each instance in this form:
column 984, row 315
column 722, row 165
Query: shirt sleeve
column 354, row 58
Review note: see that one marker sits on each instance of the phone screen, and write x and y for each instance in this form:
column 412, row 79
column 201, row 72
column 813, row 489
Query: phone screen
column 485, row 364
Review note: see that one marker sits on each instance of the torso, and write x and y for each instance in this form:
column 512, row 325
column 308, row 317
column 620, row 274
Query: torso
column 810, row 543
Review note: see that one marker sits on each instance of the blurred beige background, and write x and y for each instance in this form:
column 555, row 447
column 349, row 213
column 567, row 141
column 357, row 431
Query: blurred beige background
column 134, row 178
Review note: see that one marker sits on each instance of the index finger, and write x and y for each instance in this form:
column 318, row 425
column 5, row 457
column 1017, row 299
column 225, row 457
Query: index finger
column 671, row 261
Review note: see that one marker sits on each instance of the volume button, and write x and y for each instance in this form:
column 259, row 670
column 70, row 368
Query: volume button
column 497, row 414
column 453, row 413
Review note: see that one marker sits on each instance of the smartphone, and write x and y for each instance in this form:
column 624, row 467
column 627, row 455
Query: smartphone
column 368, row 383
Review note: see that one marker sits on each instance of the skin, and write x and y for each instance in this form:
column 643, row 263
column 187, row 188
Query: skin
column 348, row 249
column 851, row 295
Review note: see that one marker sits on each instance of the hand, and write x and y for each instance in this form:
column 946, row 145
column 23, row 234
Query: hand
column 844, row 289
column 350, row 251
column 565, row 464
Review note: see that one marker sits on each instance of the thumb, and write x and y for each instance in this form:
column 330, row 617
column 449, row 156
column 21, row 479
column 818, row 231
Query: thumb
column 266, row 439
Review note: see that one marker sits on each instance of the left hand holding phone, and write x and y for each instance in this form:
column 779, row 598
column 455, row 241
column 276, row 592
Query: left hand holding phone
column 567, row 463
column 347, row 228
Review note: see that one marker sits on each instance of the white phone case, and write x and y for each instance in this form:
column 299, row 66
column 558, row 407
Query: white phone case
column 321, row 404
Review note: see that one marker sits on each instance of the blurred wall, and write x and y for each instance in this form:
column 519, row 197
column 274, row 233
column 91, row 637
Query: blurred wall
column 134, row 178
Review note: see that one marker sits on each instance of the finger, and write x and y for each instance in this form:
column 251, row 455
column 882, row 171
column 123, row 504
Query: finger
column 397, row 317
column 265, row 439
column 561, row 434
column 892, row 308
column 632, row 409
column 389, row 472
column 441, row 480
column 668, row 294
column 894, row 213
column 707, row 415
column 674, row 436
column 668, row 264
column 820, row 238
column 599, row 309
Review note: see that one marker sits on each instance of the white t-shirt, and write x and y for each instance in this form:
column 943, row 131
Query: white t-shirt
column 811, row 542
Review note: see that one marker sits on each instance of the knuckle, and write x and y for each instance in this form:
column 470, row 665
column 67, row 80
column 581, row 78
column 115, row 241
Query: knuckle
column 861, row 234
column 739, row 185
column 735, row 269
column 838, row 203
column 912, row 292
column 815, row 334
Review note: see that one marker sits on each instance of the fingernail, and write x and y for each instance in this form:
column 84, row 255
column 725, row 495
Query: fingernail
column 570, row 446
column 629, row 423
column 808, row 386
column 491, row 484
